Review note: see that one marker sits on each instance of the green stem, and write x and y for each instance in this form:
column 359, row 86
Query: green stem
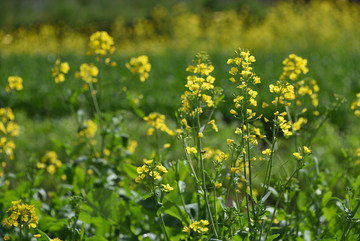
column 160, row 215
column 99, row 113
column 278, row 201
column 202, row 170
column 20, row 231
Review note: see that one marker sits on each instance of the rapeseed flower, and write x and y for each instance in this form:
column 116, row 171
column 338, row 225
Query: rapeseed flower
column 88, row 72
column 89, row 130
column 200, row 91
column 151, row 169
column 101, row 44
column 167, row 188
column 140, row 65
column 197, row 226
column 14, row 82
column 157, row 121
column 59, row 71
column 21, row 214
column 50, row 162
column 355, row 105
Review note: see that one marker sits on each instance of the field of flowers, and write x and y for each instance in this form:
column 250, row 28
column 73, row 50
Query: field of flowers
column 184, row 126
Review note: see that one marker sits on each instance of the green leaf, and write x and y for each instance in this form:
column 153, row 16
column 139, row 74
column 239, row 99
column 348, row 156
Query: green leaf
column 326, row 197
column 96, row 238
column 130, row 170
column 174, row 210
column 43, row 237
column 104, row 202
column 272, row 237
column 79, row 179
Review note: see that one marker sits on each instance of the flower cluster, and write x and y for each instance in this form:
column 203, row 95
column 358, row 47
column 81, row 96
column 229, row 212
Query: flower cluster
column 151, row 169
column 50, row 162
column 101, row 44
column 242, row 75
column 293, row 67
column 283, row 123
column 197, row 226
column 59, row 71
column 88, row 72
column 157, row 121
column 89, row 129
column 8, row 130
column 356, row 104
column 140, row 65
column 200, row 85
column 14, row 82
column 21, row 214
column 244, row 102
column 216, row 155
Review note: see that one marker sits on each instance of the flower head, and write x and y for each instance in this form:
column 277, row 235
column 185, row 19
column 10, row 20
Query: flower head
column 21, row 214
column 101, row 44
column 59, row 71
column 14, row 82
column 140, row 65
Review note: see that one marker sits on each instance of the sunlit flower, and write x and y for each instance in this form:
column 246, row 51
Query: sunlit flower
column 140, row 66
column 59, row 71
column 14, row 82
column 21, row 214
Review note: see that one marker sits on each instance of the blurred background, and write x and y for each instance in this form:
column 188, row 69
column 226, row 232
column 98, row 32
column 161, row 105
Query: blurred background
column 34, row 33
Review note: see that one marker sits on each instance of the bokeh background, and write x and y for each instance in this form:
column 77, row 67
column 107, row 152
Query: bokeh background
column 34, row 33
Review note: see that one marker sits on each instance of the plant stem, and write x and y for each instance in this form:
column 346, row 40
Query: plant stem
column 202, row 170
column 278, row 201
column 99, row 113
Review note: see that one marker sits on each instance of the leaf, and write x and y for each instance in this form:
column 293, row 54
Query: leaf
column 79, row 179
column 43, row 236
column 130, row 170
column 272, row 237
column 96, row 238
column 174, row 210
column 182, row 186
column 104, row 202
column 265, row 197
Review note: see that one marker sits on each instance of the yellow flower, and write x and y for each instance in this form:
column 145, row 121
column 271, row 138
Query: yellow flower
column 6, row 237
column 88, row 73
column 89, row 129
column 167, row 188
column 21, row 213
column 197, row 226
column 59, row 71
column 191, row 150
column 157, row 121
column 229, row 141
column 306, row 150
column 297, row 155
column 140, row 65
column 55, row 239
column 213, row 125
column 266, row 152
column 37, row 235
column 14, row 82
column 101, row 44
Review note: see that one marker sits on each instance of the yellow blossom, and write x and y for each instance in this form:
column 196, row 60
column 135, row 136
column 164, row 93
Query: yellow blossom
column 297, row 155
column 306, row 150
column 89, row 129
column 167, row 188
column 14, row 82
column 59, row 71
column 88, row 72
column 140, row 65
column 101, row 44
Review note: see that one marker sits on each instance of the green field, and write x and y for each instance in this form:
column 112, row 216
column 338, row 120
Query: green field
column 107, row 176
